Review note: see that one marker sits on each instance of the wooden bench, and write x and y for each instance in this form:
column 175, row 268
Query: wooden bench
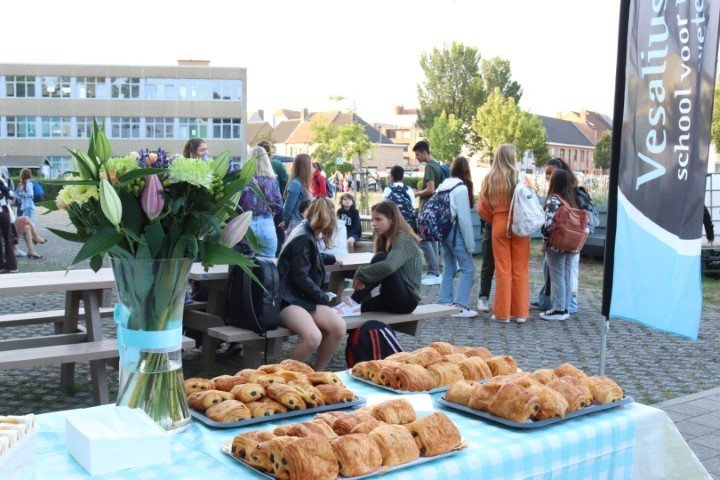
column 254, row 345
column 50, row 316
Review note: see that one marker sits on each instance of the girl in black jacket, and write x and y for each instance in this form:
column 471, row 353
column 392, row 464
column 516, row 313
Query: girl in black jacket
column 301, row 268
column 348, row 213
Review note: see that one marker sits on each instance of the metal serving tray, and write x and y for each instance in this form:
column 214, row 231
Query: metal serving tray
column 531, row 424
column 201, row 417
column 394, row 390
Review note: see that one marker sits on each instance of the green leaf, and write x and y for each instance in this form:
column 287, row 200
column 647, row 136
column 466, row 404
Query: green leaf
column 49, row 204
column 102, row 144
column 253, row 241
column 118, row 251
column 216, row 254
column 82, row 168
column 60, row 181
column 132, row 216
column 154, row 234
column 139, row 173
column 69, row 236
column 143, row 252
column 96, row 262
column 181, row 247
column 98, row 244
column 137, row 239
column 259, row 193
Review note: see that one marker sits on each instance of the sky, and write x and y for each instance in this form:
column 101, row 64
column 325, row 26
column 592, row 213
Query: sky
column 300, row 53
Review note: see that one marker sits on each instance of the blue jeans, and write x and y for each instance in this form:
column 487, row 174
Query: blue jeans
column 573, row 307
column 428, row 249
column 544, row 301
column 263, row 227
column 560, row 269
column 456, row 256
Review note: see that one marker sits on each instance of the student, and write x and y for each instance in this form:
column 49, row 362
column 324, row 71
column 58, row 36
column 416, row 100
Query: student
column 559, row 263
column 196, row 148
column 401, row 195
column 304, row 305
column 25, row 194
column 318, row 185
column 709, row 227
column 396, row 267
column 458, row 246
column 351, row 217
column 8, row 262
column 298, row 189
column 512, row 255
column 431, row 180
column 277, row 166
column 487, row 271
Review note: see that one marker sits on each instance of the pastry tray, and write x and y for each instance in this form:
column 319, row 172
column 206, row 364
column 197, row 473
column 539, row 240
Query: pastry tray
column 359, row 401
column 227, row 449
column 394, row 390
column 531, row 424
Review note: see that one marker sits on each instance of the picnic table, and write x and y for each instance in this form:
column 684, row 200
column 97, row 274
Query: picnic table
column 634, row 441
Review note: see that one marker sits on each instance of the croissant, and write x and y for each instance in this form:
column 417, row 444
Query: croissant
column 325, row 378
column 282, row 430
column 482, row 394
column 424, row 357
column 308, row 458
column 227, row 382
column 345, row 423
column 272, row 450
column 587, row 394
column 464, row 349
column 250, row 374
column 295, row 366
column 502, row 365
column 552, row 403
column 386, row 376
column 367, row 426
column 332, row 394
column 360, row 370
column 193, row 385
column 329, row 417
column 373, row 369
column 443, row 348
column 269, row 379
column 481, row 352
column 286, row 396
column 445, row 373
column 207, row 398
column 398, row 357
column 460, row 392
column 454, row 358
column 357, row 454
column 314, row 427
column 290, row 376
column 604, row 390
column 569, row 370
column 514, row 403
column 228, row 411
column 395, row 412
column 414, row 378
column 244, row 443
column 248, row 392
column 435, row 434
column 311, row 395
column 396, row 444
column 265, row 407
column 474, row 368
column 544, row 375
column 259, row 458
column 270, row 368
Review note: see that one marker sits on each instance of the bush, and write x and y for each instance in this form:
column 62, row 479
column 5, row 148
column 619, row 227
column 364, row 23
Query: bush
column 413, row 182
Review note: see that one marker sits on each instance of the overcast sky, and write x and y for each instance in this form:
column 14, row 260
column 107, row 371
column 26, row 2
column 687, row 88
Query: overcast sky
column 299, row 53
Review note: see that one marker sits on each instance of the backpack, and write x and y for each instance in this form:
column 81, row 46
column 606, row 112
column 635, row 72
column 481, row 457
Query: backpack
column 400, row 197
column 372, row 341
column 444, row 172
column 584, row 202
column 569, row 228
column 526, row 213
column 329, row 188
column 38, row 192
column 435, row 221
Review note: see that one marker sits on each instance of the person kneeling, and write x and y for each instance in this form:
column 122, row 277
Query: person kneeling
column 396, row 267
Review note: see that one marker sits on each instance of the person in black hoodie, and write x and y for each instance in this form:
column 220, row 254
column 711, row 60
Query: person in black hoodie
column 8, row 262
column 708, row 224
column 349, row 214
column 304, row 304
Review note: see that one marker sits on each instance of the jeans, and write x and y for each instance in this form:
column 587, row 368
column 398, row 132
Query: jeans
column 573, row 307
column 264, row 229
column 560, row 268
column 394, row 296
column 456, row 257
column 428, row 249
column 487, row 271
column 544, row 301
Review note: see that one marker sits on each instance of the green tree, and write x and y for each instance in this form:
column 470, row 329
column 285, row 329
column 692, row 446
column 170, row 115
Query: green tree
column 500, row 120
column 496, row 73
column 716, row 119
column 603, row 151
column 446, row 137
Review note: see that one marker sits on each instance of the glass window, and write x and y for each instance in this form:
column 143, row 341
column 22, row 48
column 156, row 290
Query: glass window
column 193, row 128
column 226, row 128
column 159, row 127
column 84, row 126
column 125, row 127
column 53, row 127
column 125, row 87
column 60, row 165
column 19, row 86
column 21, row 127
column 227, row 89
column 91, row 87
column 56, row 87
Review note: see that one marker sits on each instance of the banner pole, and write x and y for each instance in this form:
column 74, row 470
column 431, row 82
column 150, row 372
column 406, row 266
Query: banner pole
column 603, row 345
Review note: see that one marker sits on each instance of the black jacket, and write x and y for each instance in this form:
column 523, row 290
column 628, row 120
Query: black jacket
column 352, row 221
column 301, row 268
column 709, row 228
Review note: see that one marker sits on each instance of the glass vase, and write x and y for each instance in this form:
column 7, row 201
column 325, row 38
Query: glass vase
column 149, row 317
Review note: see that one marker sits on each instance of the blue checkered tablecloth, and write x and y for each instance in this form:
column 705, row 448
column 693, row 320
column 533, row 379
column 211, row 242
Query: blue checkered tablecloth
column 597, row 446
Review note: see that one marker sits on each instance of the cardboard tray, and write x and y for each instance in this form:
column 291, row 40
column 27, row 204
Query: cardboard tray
column 399, row 392
column 200, row 416
column 532, row 424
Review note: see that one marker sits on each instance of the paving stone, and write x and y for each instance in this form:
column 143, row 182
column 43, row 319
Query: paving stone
column 711, row 441
column 689, row 409
column 713, row 466
column 676, row 416
column 710, row 420
column 691, row 430
column 702, row 452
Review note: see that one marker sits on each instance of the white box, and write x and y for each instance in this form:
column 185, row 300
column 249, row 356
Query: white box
column 19, row 462
column 109, row 438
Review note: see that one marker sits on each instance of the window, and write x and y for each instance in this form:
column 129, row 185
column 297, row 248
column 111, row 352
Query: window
column 193, row 128
column 125, row 127
column 227, row 89
column 60, row 165
column 125, row 88
column 226, row 128
column 159, row 89
column 91, row 87
column 85, row 126
column 53, row 127
column 21, row 127
column 19, row 86
column 55, row 87
column 562, row 153
column 159, row 127
column 235, row 163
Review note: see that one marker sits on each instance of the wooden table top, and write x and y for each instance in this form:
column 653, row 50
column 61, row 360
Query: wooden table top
column 56, row 281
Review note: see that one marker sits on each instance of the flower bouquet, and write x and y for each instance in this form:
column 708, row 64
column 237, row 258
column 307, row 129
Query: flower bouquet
column 154, row 217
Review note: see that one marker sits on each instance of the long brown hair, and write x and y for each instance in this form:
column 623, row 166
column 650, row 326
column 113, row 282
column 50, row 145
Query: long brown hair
column 383, row 243
column 302, row 170
column 502, row 177
column 561, row 185
column 461, row 169
column 321, row 219
column 25, row 175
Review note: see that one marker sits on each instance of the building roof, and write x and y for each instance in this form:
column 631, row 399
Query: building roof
column 256, row 129
column 304, row 133
column 289, row 114
column 564, row 132
column 21, row 161
column 283, row 130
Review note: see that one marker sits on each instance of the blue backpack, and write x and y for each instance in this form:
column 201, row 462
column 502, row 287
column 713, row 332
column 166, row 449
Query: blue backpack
column 329, row 188
column 435, row 221
column 38, row 192
column 400, row 197
column 444, row 173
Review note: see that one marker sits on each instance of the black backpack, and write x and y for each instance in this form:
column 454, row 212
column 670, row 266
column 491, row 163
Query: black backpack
column 372, row 341
column 400, row 197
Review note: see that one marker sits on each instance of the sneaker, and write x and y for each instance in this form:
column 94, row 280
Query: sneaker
column 431, row 280
column 20, row 253
column 554, row 315
column 520, row 319
column 483, row 305
column 465, row 313
column 348, row 308
column 534, row 306
column 499, row 320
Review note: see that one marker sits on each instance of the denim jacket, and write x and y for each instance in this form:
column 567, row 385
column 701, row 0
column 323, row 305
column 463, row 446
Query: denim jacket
column 295, row 195
column 25, row 195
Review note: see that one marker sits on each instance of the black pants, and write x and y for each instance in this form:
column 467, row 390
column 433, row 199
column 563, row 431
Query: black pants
column 394, row 295
column 7, row 248
column 277, row 219
column 487, row 271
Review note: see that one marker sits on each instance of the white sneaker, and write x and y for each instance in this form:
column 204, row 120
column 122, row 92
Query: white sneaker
column 465, row 313
column 499, row 320
column 483, row 305
column 20, row 253
column 431, row 280
column 348, row 308
column 520, row 319
column 554, row 315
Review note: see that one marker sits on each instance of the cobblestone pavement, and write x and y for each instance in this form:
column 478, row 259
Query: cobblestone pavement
column 650, row 365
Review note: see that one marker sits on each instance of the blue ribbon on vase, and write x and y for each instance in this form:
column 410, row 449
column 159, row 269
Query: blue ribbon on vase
column 145, row 340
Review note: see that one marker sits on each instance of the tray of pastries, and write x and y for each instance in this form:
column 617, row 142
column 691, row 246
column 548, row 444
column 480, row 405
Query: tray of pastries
column 359, row 444
column 287, row 389
column 537, row 399
column 433, row 368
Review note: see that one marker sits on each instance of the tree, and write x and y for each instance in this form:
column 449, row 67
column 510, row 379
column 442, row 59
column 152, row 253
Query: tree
column 500, row 120
column 603, row 151
column 446, row 137
column 716, row 119
column 496, row 73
